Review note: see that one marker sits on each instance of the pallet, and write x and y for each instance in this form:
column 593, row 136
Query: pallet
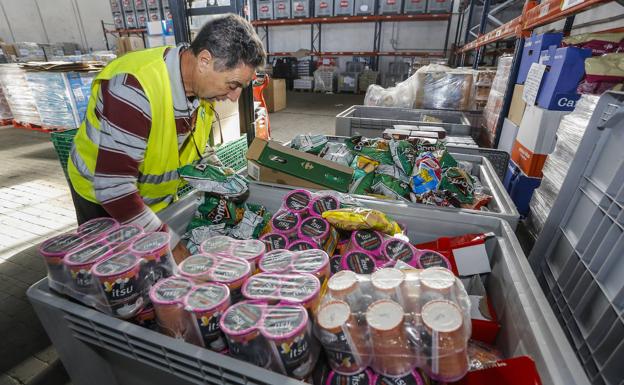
column 302, row 89
column 36, row 127
column 6, row 122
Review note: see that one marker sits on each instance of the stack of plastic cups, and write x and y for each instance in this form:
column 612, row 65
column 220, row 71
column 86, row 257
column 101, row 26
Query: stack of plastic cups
column 80, row 262
column 395, row 249
column 250, row 250
column 154, row 249
column 298, row 202
column 168, row 297
column 54, row 251
column 121, row 238
column 97, row 228
column 344, row 340
column 274, row 241
column 120, row 281
column 207, row 303
column 287, row 331
column 197, row 267
column 239, row 324
column 317, row 231
column 285, row 223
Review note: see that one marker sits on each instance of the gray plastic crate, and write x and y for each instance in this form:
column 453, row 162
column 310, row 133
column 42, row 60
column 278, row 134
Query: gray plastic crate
column 390, row 7
column 323, row 8
column 439, row 6
column 372, row 121
column 415, row 6
column 264, row 9
column 100, row 350
column 579, row 256
column 501, row 205
column 364, row 7
column 343, row 7
column 281, row 9
column 348, row 82
column 301, row 8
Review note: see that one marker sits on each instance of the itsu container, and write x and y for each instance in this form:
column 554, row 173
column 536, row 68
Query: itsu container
column 274, row 241
column 197, row 267
column 430, row 258
column 120, row 283
column 395, row 249
column 365, row 377
column 318, row 231
column 287, row 331
column 155, row 251
column 54, row 251
column 359, row 262
column 97, row 228
column 207, row 303
column 80, row 262
column 285, row 223
column 412, row 378
column 121, row 238
column 366, row 241
column 325, row 202
column 298, row 201
column 239, row 323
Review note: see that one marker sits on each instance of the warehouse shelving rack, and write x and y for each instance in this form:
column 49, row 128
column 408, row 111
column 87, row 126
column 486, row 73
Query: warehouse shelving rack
column 316, row 24
column 533, row 15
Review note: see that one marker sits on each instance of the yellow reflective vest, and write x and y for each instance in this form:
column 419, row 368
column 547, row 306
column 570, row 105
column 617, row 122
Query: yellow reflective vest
column 158, row 181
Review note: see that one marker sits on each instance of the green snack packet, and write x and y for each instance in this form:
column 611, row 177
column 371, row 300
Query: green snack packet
column 362, row 185
column 447, row 160
column 403, row 155
column 250, row 227
column 215, row 180
column 376, row 150
column 393, row 171
column 390, row 187
column 425, row 145
column 218, row 210
column 312, row 144
column 459, row 183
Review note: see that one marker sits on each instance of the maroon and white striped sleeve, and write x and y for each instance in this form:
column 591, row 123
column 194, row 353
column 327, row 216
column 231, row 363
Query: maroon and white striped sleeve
column 125, row 122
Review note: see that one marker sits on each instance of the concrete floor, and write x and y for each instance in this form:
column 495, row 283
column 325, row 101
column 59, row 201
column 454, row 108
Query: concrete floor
column 35, row 205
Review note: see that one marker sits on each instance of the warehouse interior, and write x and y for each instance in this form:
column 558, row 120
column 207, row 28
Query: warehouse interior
column 403, row 192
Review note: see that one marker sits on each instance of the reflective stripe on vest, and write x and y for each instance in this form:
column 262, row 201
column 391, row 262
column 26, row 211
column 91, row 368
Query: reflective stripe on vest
column 158, row 180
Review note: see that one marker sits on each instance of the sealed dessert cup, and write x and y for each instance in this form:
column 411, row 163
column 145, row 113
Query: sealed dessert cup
column 120, row 282
column 207, row 303
column 97, row 228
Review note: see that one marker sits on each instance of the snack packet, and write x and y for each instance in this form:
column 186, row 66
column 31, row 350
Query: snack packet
column 214, row 180
column 217, row 210
column 390, row 187
column 337, row 152
column 312, row 144
column 403, row 155
column 359, row 218
column 377, row 150
column 458, row 183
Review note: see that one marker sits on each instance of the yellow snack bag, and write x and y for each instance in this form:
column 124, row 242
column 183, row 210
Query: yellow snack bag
column 359, row 218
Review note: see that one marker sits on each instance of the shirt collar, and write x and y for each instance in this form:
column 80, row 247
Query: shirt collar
column 172, row 61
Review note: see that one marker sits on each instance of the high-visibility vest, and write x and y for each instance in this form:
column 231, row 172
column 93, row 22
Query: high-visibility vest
column 158, row 180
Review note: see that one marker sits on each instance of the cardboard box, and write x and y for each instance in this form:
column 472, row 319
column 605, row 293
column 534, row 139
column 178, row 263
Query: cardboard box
column 536, row 139
column 508, row 136
column 275, row 95
column 155, row 41
column 228, row 131
column 533, row 46
column 516, row 110
column 512, row 371
column 128, row 44
column 264, row 174
column 226, row 108
column 299, row 164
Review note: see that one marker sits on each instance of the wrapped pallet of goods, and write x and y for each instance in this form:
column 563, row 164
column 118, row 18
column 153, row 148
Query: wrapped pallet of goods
column 439, row 87
column 5, row 110
column 61, row 91
column 19, row 94
column 494, row 104
column 556, row 167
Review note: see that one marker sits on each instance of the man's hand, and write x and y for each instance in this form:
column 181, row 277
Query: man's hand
column 180, row 252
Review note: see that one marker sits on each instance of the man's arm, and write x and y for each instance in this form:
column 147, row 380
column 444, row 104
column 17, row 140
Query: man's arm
column 125, row 122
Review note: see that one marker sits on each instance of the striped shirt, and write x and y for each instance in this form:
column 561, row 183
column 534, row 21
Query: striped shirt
column 125, row 122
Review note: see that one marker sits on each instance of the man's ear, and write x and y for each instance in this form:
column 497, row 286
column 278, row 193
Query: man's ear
column 204, row 61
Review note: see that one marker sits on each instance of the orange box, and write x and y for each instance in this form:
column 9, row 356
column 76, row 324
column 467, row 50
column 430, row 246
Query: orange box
column 530, row 163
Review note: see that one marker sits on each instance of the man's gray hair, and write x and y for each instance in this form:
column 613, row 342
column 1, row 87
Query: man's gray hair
column 232, row 41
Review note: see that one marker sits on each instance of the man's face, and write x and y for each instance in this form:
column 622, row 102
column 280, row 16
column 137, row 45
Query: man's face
column 214, row 85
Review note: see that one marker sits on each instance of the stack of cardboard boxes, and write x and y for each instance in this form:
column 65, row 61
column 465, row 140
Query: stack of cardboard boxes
column 529, row 131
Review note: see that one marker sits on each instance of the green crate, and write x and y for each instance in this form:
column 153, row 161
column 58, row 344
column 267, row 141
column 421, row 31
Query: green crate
column 232, row 154
column 63, row 141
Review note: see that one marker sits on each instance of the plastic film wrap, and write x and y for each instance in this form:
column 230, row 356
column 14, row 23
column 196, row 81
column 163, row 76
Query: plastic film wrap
column 325, row 79
column 18, row 94
column 494, row 104
column 569, row 135
column 61, row 97
column 439, row 87
column 5, row 110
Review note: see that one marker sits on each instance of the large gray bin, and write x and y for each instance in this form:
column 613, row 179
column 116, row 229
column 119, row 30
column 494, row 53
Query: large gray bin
column 579, row 256
column 501, row 205
column 372, row 121
column 97, row 349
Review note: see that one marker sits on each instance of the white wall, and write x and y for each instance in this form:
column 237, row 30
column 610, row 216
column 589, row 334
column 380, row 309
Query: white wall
column 52, row 21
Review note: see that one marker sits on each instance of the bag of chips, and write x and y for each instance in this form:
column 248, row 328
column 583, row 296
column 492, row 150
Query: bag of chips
column 337, row 152
column 359, row 218
column 459, row 183
column 312, row 144
column 219, row 210
column 390, row 187
column 214, row 180
column 403, row 155
column 377, row 150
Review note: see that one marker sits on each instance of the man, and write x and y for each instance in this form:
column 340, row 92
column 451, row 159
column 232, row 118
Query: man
column 150, row 112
